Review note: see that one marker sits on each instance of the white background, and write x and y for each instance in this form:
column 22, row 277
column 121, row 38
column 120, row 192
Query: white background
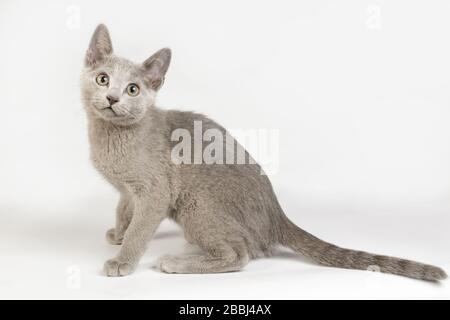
column 359, row 91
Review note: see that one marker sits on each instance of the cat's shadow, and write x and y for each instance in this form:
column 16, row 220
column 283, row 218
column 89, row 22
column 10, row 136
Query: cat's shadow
column 77, row 231
column 278, row 253
column 43, row 226
column 72, row 229
column 283, row 253
column 162, row 235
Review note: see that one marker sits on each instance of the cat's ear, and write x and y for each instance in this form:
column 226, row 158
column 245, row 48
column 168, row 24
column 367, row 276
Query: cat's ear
column 156, row 66
column 100, row 46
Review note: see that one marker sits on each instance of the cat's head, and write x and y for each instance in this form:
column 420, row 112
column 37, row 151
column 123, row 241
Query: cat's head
column 115, row 89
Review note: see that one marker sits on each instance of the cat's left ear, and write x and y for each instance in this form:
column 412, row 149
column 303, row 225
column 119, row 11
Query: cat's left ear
column 100, row 46
column 155, row 68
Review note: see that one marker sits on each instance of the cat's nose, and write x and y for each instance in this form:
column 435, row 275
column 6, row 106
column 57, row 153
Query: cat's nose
column 112, row 99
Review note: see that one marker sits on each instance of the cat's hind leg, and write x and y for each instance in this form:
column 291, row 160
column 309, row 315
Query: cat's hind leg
column 220, row 237
column 219, row 257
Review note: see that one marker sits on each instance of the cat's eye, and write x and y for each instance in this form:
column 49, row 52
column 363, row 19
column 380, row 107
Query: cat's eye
column 133, row 90
column 102, row 79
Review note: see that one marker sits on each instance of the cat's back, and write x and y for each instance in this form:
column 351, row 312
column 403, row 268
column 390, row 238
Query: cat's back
column 220, row 171
column 188, row 120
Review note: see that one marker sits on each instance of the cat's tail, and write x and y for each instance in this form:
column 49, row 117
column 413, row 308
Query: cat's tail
column 333, row 256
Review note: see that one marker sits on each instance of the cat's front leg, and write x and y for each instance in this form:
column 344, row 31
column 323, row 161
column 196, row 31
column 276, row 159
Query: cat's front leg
column 124, row 213
column 148, row 213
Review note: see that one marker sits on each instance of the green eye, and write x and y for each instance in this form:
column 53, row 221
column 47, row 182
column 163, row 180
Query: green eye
column 133, row 90
column 102, row 79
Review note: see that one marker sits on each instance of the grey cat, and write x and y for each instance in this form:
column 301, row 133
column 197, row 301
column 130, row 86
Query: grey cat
column 229, row 210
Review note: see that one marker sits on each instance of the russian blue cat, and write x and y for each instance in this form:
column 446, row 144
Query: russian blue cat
column 229, row 210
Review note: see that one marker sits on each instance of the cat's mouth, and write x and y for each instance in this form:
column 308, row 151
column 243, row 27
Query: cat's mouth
column 109, row 113
column 111, row 109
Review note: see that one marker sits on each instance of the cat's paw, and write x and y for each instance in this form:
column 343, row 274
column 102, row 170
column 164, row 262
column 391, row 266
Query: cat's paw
column 115, row 268
column 111, row 238
column 167, row 264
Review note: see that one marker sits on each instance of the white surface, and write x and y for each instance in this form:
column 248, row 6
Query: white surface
column 58, row 253
column 362, row 105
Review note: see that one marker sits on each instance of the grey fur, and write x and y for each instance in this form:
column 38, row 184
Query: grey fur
column 229, row 210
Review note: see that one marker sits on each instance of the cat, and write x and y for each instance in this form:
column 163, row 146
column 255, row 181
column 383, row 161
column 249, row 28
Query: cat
column 229, row 210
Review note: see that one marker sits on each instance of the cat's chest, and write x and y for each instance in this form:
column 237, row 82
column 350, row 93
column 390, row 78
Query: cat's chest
column 114, row 153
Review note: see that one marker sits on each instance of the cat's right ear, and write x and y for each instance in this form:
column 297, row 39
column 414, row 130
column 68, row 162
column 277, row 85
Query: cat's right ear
column 100, row 46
